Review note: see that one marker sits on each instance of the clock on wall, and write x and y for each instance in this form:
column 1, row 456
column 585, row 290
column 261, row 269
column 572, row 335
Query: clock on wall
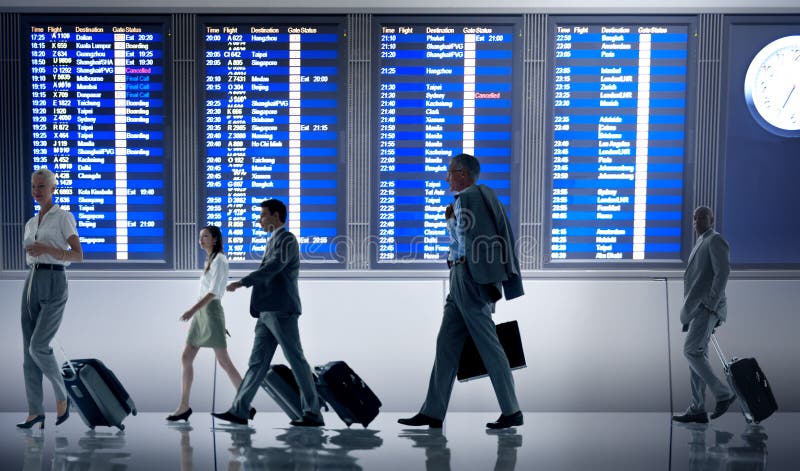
column 772, row 87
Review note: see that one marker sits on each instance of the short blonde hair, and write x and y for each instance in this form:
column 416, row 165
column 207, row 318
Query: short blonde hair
column 49, row 176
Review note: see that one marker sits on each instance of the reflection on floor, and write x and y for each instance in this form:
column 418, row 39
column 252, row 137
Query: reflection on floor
column 547, row 441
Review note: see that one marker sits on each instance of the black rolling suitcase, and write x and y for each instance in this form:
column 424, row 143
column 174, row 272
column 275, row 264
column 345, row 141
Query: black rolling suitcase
column 282, row 387
column 750, row 385
column 346, row 393
column 97, row 393
column 470, row 364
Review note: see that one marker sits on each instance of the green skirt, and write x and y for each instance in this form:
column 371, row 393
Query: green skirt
column 208, row 327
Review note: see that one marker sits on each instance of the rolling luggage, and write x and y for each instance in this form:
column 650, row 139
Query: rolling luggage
column 470, row 365
column 750, row 385
column 282, row 387
column 97, row 393
column 346, row 393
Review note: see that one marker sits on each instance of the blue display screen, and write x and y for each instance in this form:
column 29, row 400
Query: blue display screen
column 618, row 149
column 442, row 89
column 99, row 120
column 273, row 97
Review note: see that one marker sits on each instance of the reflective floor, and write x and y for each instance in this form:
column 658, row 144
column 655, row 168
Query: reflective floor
column 547, row 441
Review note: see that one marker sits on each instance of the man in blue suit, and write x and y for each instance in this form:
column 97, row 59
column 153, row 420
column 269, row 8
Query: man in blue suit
column 275, row 302
column 704, row 308
column 483, row 266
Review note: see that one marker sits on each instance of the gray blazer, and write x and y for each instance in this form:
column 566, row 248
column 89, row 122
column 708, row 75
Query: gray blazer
column 489, row 240
column 275, row 281
column 705, row 278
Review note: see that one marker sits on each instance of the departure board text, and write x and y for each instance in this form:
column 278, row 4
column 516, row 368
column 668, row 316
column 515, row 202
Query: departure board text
column 98, row 122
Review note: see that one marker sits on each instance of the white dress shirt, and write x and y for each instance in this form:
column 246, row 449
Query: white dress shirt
column 216, row 278
column 55, row 228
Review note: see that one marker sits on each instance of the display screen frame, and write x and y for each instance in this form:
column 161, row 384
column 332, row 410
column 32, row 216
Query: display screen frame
column 162, row 21
column 686, row 237
column 517, row 66
column 763, row 229
column 341, row 242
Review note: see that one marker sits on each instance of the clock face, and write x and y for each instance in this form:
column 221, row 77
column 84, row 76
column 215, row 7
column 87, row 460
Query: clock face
column 772, row 87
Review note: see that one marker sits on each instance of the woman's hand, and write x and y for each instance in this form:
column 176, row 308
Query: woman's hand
column 187, row 315
column 38, row 248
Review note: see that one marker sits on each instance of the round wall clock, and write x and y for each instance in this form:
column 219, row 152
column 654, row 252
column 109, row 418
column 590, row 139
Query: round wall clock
column 772, row 87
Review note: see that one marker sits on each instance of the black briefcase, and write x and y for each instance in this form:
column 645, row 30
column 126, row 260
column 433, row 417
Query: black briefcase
column 470, row 366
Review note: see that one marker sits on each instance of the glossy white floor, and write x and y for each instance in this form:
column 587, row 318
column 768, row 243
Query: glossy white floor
column 547, row 441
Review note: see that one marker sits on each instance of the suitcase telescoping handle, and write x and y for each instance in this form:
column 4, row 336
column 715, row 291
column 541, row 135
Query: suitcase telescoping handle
column 71, row 367
column 721, row 355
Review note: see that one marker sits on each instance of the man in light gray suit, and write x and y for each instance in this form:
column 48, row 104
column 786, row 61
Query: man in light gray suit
column 275, row 302
column 484, row 266
column 704, row 308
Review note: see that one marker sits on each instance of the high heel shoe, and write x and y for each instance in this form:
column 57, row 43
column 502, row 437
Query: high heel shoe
column 63, row 417
column 182, row 416
column 252, row 412
column 39, row 419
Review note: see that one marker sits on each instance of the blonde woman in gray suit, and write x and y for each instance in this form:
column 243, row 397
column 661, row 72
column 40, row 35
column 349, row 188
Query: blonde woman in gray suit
column 51, row 244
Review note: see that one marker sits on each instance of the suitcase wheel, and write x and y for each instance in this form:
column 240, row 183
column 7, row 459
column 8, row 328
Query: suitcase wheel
column 91, row 427
column 121, row 426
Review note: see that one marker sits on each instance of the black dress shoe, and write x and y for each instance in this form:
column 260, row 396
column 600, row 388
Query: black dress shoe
column 229, row 417
column 182, row 416
column 722, row 406
column 506, row 421
column 252, row 412
column 420, row 420
column 308, row 421
column 688, row 417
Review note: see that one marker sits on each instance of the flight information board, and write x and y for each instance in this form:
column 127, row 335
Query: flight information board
column 619, row 104
column 98, row 120
column 443, row 88
column 272, row 126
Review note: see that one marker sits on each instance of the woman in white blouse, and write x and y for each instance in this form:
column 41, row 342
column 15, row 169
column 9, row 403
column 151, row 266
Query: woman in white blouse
column 208, row 320
column 51, row 243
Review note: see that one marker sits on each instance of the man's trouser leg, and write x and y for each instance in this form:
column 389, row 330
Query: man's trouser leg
column 474, row 304
column 264, row 346
column 695, row 349
column 449, row 344
column 467, row 310
column 284, row 327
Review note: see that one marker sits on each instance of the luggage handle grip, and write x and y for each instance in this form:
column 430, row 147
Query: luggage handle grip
column 71, row 367
column 721, row 355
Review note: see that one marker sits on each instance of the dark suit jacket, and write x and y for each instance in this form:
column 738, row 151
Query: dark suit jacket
column 489, row 240
column 275, row 281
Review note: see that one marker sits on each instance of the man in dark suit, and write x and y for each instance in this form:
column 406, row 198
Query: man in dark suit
column 704, row 308
column 483, row 266
column 275, row 302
